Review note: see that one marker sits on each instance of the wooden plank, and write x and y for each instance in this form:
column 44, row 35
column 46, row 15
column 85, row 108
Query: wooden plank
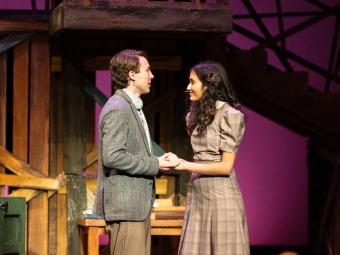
column 166, row 231
column 17, row 166
column 37, row 236
column 3, row 104
column 92, row 157
column 169, row 209
column 40, row 104
column 28, row 194
column 154, row 223
column 166, row 223
column 20, row 100
column 30, row 182
column 19, row 25
column 52, row 225
column 62, row 225
column 39, row 140
column 162, row 16
column 53, row 201
column 12, row 40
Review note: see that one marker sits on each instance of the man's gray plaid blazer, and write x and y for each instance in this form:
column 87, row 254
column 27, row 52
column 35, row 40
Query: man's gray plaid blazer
column 126, row 166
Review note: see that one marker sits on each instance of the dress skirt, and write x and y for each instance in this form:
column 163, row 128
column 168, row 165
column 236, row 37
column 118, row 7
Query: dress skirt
column 215, row 221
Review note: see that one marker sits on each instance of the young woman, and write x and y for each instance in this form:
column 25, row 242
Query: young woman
column 215, row 221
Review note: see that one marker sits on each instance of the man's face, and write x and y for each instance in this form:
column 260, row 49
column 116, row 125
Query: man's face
column 142, row 79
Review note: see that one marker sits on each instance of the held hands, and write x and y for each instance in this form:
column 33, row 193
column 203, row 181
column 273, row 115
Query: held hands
column 170, row 161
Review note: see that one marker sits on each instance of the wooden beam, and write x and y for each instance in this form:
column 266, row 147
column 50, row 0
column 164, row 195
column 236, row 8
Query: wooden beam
column 40, row 104
column 17, row 166
column 92, row 157
column 12, row 40
column 62, row 241
column 3, row 105
column 28, row 194
column 30, row 182
column 20, row 100
column 39, row 140
column 11, row 26
column 161, row 16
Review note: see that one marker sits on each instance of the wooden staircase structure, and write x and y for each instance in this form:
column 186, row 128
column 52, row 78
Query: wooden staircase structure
column 286, row 98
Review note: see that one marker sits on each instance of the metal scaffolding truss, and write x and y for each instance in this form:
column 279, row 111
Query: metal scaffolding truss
column 277, row 42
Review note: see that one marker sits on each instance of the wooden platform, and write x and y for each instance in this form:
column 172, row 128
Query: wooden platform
column 91, row 229
column 141, row 16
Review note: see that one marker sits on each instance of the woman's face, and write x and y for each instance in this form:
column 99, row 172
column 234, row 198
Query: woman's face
column 195, row 87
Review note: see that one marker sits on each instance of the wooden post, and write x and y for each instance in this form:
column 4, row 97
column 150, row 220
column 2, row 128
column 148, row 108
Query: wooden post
column 20, row 100
column 74, row 147
column 58, row 241
column 3, row 103
column 39, row 141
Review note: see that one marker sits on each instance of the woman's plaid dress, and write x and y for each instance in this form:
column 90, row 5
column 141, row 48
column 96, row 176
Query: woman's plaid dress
column 215, row 221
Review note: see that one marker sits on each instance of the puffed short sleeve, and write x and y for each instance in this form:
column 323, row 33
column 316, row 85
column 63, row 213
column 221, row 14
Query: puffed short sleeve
column 232, row 130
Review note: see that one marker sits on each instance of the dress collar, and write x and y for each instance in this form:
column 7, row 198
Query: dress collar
column 219, row 104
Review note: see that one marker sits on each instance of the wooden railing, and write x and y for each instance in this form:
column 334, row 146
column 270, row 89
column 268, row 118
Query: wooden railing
column 30, row 181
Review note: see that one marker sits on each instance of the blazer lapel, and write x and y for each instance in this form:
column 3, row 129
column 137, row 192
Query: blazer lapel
column 139, row 122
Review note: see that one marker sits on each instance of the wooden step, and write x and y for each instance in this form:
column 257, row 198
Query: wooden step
column 284, row 97
column 285, row 84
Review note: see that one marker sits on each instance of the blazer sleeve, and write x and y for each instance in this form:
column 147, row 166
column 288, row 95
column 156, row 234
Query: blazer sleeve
column 114, row 135
column 232, row 130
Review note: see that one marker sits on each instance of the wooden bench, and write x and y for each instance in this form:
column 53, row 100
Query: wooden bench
column 91, row 229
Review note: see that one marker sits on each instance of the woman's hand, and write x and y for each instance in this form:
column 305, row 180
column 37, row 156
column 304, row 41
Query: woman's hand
column 170, row 157
column 181, row 165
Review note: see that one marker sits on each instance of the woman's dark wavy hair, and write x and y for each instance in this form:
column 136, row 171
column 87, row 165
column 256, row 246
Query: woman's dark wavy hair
column 122, row 63
column 214, row 77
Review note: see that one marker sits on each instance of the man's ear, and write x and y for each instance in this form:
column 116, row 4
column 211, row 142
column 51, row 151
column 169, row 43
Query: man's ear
column 132, row 75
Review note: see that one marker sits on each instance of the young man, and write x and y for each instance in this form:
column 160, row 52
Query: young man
column 125, row 188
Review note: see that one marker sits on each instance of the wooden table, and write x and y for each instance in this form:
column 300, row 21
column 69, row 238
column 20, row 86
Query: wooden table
column 91, row 229
column 89, row 232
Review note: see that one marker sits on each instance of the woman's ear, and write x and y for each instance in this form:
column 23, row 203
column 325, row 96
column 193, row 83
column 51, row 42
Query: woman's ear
column 132, row 75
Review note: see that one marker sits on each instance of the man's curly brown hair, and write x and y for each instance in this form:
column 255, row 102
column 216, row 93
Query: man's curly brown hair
column 122, row 63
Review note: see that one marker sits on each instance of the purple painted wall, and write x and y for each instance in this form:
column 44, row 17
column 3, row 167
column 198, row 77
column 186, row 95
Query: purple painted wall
column 21, row 4
column 271, row 163
column 103, row 82
column 272, row 171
